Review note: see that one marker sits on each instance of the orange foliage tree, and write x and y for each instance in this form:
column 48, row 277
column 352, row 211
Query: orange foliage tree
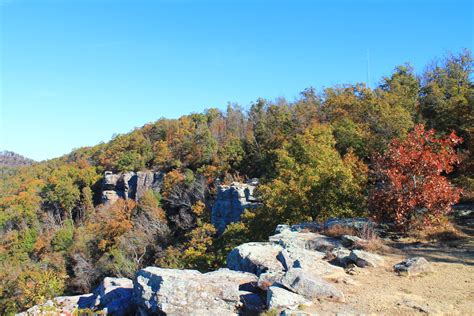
column 411, row 187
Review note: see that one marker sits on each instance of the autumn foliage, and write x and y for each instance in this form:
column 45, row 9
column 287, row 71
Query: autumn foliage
column 411, row 185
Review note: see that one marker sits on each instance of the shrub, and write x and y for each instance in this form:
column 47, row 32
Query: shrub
column 63, row 238
column 411, row 188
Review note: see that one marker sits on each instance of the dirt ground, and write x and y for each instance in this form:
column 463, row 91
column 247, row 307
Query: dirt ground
column 449, row 290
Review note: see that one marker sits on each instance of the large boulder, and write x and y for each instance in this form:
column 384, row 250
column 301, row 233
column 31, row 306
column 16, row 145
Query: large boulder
column 231, row 202
column 413, row 266
column 278, row 297
column 311, row 287
column 363, row 258
column 255, row 257
column 188, row 292
column 310, row 261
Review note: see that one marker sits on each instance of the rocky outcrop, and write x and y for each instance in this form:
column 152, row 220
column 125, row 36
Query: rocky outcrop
column 231, row 202
column 189, row 292
column 255, row 257
column 129, row 185
column 297, row 266
column 294, row 259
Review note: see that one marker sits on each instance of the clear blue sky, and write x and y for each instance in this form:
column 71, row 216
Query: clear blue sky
column 73, row 73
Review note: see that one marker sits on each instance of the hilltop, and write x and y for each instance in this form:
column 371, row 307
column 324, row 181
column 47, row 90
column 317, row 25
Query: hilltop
column 11, row 159
column 183, row 193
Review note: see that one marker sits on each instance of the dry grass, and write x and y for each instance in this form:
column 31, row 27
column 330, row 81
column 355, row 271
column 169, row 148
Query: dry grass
column 446, row 232
column 338, row 231
column 376, row 245
column 370, row 240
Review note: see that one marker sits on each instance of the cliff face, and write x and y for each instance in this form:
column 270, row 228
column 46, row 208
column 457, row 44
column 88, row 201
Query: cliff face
column 231, row 202
column 129, row 185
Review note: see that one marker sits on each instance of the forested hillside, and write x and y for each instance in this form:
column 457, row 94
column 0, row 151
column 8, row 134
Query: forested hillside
column 338, row 152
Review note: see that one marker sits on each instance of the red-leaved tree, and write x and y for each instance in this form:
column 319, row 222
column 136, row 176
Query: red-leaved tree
column 410, row 184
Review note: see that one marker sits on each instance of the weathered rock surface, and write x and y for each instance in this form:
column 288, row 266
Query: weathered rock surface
column 231, row 202
column 363, row 258
column 350, row 241
column 188, row 292
column 311, row 287
column 253, row 304
column 341, row 256
column 413, row 266
column 113, row 296
column 267, row 279
column 278, row 297
column 129, row 185
column 310, row 261
column 255, row 257
column 305, row 240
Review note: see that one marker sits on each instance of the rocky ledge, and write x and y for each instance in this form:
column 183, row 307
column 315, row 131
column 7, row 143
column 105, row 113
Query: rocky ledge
column 297, row 266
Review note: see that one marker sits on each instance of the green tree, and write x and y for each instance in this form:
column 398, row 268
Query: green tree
column 313, row 181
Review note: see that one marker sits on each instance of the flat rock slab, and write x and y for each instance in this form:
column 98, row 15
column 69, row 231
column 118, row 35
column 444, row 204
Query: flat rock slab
column 413, row 266
column 278, row 297
column 255, row 257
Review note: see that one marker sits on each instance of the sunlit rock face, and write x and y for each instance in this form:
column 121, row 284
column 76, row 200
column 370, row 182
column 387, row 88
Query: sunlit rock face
column 129, row 185
column 231, row 202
